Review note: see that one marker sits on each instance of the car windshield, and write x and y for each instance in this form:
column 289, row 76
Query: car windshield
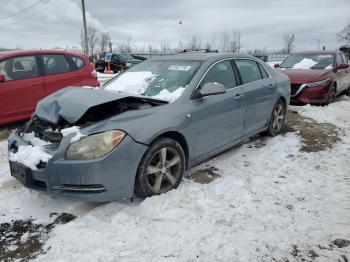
column 164, row 80
column 304, row 61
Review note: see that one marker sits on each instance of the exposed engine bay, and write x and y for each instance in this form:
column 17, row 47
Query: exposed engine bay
column 51, row 132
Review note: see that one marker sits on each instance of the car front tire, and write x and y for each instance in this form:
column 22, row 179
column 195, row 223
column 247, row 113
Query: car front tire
column 331, row 94
column 277, row 119
column 347, row 92
column 161, row 168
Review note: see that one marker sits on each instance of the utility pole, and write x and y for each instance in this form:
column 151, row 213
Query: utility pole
column 86, row 47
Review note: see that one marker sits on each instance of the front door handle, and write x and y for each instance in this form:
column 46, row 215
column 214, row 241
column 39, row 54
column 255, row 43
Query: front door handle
column 237, row 96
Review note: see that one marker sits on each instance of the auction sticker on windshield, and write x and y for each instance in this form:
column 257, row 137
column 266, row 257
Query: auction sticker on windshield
column 179, row 68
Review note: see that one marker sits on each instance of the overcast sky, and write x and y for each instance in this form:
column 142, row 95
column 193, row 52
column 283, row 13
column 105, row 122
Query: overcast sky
column 262, row 23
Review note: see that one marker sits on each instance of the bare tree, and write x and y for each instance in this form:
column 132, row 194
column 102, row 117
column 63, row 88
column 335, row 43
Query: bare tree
column 225, row 42
column 345, row 34
column 289, row 42
column 235, row 42
column 125, row 47
column 105, row 39
column 92, row 38
column 208, row 45
column 213, row 43
column 195, row 43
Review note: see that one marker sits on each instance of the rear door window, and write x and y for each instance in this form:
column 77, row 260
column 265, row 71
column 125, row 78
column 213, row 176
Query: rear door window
column 79, row 62
column 339, row 60
column 345, row 60
column 263, row 71
column 249, row 70
column 18, row 68
column 55, row 64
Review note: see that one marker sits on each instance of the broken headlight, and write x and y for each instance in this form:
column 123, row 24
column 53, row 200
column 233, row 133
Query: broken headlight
column 95, row 146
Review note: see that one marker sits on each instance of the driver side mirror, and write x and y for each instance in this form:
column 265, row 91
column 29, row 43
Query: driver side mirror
column 210, row 89
column 2, row 78
column 276, row 65
column 343, row 66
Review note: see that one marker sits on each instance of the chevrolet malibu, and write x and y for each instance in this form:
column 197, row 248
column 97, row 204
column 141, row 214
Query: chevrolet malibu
column 145, row 127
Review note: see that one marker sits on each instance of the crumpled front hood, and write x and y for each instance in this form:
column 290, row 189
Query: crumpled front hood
column 72, row 103
column 301, row 76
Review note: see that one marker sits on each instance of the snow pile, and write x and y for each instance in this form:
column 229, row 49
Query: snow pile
column 72, row 130
column 33, row 140
column 270, row 201
column 30, row 156
column 336, row 113
column 169, row 96
column 132, row 82
column 306, row 63
column 102, row 78
column 138, row 82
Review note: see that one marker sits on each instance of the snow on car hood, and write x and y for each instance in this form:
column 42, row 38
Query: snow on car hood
column 72, row 103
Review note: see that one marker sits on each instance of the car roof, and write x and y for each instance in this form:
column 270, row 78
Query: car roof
column 201, row 56
column 5, row 54
column 315, row 52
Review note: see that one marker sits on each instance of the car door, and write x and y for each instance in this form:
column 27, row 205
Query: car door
column 259, row 89
column 22, row 89
column 218, row 119
column 347, row 72
column 58, row 73
column 340, row 74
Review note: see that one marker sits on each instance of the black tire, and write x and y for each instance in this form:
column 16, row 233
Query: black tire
column 347, row 92
column 331, row 94
column 148, row 179
column 275, row 128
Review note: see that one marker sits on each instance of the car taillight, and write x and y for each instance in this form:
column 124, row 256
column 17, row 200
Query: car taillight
column 94, row 73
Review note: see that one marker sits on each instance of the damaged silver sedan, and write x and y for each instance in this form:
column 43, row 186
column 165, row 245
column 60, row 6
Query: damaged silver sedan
column 144, row 128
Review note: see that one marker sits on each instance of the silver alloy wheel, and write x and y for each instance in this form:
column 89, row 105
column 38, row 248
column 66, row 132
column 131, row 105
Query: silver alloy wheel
column 278, row 117
column 164, row 170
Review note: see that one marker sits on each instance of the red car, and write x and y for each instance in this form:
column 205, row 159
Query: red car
column 316, row 77
column 28, row 76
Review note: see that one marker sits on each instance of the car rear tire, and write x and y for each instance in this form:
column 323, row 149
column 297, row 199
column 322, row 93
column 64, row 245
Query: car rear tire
column 161, row 168
column 277, row 119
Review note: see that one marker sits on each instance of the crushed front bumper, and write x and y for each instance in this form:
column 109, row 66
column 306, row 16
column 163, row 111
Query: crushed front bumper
column 99, row 180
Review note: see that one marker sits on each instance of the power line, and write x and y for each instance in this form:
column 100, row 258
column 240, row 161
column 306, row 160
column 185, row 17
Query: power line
column 39, row 11
column 21, row 11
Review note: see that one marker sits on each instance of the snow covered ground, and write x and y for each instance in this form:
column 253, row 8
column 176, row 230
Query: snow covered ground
column 103, row 78
column 271, row 203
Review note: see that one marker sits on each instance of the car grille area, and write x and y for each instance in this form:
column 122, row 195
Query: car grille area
column 294, row 89
column 46, row 131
